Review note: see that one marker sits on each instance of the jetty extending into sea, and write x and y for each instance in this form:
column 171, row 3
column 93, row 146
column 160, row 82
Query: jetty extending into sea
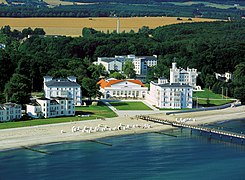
column 211, row 131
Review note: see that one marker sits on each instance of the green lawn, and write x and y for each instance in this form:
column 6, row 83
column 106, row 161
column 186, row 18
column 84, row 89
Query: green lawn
column 37, row 94
column 207, row 94
column 99, row 111
column 208, row 98
column 130, row 106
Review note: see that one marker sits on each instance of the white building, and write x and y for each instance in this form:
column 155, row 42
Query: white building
column 113, row 88
column 224, row 77
column 44, row 107
column 111, row 63
column 141, row 63
column 10, row 111
column 183, row 76
column 65, row 88
column 170, row 95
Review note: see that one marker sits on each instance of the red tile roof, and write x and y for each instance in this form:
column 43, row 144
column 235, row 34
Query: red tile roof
column 103, row 83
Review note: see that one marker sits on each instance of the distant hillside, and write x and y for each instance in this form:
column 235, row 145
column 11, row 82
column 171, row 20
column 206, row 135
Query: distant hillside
column 217, row 9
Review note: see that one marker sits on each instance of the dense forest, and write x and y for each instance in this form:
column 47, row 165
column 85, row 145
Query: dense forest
column 209, row 47
column 122, row 8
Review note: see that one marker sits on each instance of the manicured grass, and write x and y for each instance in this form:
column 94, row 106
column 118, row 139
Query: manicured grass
column 208, row 98
column 130, row 106
column 213, row 102
column 99, row 111
column 207, row 94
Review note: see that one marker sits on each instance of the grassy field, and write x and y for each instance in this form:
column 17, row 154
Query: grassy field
column 208, row 98
column 209, row 4
column 100, row 111
column 74, row 26
column 130, row 106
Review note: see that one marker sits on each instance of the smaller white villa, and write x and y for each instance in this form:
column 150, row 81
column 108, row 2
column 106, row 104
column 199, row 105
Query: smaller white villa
column 170, row 95
column 183, row 76
column 9, row 112
column 130, row 88
column 224, row 77
column 44, row 107
column 65, row 88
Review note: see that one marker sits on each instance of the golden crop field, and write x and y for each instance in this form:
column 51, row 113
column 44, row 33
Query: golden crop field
column 3, row 1
column 74, row 26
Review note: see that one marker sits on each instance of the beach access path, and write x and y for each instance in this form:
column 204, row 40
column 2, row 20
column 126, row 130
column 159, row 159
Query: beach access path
column 62, row 132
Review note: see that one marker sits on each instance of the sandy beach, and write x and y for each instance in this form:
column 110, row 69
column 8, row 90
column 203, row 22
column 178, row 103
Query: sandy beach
column 62, row 132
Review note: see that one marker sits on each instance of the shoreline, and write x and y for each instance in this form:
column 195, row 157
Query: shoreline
column 11, row 139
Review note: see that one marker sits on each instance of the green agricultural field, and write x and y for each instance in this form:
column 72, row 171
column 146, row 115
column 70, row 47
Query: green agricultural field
column 130, row 106
column 99, row 111
column 208, row 98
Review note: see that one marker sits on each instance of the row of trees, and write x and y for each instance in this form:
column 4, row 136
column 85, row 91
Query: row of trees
column 126, row 9
column 209, row 47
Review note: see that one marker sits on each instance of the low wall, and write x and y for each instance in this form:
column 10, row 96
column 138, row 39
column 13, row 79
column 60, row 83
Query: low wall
column 205, row 109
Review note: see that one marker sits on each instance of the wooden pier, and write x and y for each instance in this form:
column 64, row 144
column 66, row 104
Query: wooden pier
column 201, row 129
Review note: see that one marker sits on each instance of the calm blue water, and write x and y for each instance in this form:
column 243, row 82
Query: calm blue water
column 145, row 156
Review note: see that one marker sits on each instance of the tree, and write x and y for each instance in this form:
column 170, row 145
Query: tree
column 239, row 75
column 18, row 89
column 239, row 93
column 90, row 88
column 129, row 69
column 39, row 31
column 97, row 71
column 27, row 31
column 117, row 75
column 209, row 81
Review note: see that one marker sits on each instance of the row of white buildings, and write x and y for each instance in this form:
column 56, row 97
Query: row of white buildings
column 141, row 63
column 62, row 95
column 176, row 94
column 60, row 98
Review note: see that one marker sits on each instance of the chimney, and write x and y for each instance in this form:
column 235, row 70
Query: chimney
column 72, row 78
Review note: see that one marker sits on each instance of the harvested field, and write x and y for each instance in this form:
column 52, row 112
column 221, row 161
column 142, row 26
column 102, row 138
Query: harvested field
column 74, row 26
column 3, row 1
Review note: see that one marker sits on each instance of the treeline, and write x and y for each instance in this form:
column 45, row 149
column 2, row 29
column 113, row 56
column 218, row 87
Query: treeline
column 209, row 47
column 118, row 9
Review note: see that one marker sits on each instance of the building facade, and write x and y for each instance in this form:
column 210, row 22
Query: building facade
column 64, row 88
column 113, row 88
column 9, row 112
column 56, row 107
column 183, row 76
column 170, row 95
column 141, row 63
column 111, row 64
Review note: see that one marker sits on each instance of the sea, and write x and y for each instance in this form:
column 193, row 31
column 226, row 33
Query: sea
column 172, row 154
